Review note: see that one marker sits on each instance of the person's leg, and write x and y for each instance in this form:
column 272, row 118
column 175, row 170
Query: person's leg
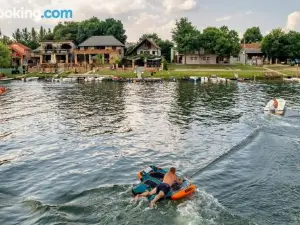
column 160, row 195
column 145, row 194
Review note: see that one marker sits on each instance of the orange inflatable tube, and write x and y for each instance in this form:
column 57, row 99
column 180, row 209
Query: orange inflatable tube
column 183, row 193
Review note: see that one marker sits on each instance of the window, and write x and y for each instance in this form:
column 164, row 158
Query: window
column 207, row 58
column 195, row 58
column 141, row 52
column 204, row 58
column 114, row 47
column 153, row 52
column 192, row 58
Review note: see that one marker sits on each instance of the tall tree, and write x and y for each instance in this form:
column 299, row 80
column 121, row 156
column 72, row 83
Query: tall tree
column 293, row 39
column 80, row 31
column 165, row 47
column 17, row 35
column 5, row 59
column 4, row 39
column 275, row 45
column 221, row 41
column 184, row 36
column 153, row 36
column 115, row 28
column 34, row 37
column 25, row 37
column 41, row 34
column 252, row 35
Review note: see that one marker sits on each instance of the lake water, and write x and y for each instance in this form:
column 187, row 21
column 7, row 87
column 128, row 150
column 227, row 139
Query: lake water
column 68, row 156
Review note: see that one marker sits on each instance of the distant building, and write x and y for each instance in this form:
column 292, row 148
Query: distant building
column 108, row 46
column 250, row 54
column 20, row 54
column 196, row 58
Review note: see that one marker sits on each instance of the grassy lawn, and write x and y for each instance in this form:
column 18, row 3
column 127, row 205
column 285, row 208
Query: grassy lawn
column 286, row 69
column 182, row 74
column 211, row 67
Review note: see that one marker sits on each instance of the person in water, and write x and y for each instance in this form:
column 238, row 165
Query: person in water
column 163, row 188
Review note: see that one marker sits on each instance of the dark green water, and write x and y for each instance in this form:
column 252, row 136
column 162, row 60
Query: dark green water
column 66, row 156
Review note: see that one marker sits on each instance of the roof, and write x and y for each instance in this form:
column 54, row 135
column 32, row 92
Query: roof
column 139, row 44
column 101, row 41
column 36, row 50
column 19, row 48
column 250, row 46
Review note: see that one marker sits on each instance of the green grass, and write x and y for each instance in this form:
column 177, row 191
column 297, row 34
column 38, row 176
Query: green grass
column 219, row 67
column 182, row 74
column 286, row 69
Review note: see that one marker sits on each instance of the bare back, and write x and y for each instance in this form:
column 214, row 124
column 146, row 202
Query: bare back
column 170, row 178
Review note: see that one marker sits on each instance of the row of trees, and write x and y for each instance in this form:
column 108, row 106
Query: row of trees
column 281, row 45
column 33, row 37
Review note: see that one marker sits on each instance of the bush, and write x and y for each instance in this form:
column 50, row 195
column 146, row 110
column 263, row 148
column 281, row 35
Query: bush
column 165, row 64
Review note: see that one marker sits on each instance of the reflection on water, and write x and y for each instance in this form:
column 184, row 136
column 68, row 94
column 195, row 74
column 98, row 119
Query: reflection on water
column 70, row 152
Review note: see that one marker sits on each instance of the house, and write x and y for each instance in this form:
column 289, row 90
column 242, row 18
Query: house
column 109, row 47
column 194, row 58
column 20, row 54
column 54, row 51
column 250, row 54
column 146, row 47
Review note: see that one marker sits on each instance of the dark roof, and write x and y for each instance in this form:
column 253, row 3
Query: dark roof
column 139, row 44
column 36, row 50
column 101, row 41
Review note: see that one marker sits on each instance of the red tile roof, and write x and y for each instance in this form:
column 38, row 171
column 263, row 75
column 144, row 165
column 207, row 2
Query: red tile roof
column 19, row 48
column 251, row 45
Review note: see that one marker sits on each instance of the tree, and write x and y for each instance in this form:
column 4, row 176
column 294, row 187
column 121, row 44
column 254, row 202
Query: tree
column 153, row 36
column 165, row 47
column 115, row 28
column 80, row 31
column 4, row 39
column 275, row 45
column 293, row 39
column 5, row 59
column 221, row 41
column 17, row 35
column 41, row 34
column 184, row 36
column 252, row 35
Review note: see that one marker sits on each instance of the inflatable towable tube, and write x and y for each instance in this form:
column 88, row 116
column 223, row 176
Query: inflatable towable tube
column 152, row 176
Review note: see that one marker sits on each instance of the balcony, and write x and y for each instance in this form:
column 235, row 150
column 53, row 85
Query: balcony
column 56, row 51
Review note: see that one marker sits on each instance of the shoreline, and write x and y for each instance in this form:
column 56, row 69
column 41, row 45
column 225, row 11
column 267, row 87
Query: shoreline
column 164, row 75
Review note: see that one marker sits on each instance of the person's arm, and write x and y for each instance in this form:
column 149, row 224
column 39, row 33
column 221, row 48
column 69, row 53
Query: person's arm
column 178, row 180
